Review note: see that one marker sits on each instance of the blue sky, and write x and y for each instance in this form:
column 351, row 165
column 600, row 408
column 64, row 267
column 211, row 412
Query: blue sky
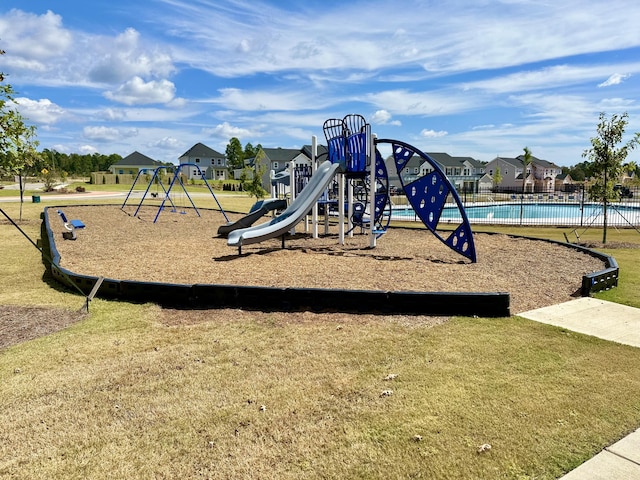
column 470, row 78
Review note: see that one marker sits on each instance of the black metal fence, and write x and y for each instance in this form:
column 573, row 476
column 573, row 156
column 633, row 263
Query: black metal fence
column 557, row 208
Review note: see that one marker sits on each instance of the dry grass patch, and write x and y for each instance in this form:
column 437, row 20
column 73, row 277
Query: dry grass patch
column 180, row 394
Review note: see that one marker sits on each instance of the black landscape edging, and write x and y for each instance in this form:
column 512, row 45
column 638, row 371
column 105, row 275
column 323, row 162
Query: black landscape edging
column 591, row 282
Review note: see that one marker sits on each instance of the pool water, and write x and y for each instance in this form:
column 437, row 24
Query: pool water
column 535, row 213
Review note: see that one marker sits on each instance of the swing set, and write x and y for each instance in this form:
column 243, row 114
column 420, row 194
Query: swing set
column 177, row 179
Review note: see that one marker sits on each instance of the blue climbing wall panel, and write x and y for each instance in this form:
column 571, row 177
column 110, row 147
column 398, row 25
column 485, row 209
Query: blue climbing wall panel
column 428, row 196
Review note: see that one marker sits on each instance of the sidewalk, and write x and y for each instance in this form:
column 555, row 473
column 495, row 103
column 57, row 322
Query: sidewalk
column 617, row 323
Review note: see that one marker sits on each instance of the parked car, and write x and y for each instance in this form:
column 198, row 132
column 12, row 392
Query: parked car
column 623, row 191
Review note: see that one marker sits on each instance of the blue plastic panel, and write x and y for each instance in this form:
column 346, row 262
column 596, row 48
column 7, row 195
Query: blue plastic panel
column 428, row 195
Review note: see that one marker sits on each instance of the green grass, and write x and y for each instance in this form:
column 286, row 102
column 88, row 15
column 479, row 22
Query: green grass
column 131, row 392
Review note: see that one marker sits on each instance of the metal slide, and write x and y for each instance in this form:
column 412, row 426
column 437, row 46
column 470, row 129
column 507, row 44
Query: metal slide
column 292, row 215
column 259, row 210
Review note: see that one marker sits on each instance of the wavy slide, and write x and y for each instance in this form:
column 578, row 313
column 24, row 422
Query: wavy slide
column 292, row 215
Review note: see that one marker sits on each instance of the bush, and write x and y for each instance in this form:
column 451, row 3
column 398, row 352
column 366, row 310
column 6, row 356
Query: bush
column 80, row 189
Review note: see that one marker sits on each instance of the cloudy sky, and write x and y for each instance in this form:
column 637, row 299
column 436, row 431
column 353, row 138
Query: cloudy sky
column 470, row 78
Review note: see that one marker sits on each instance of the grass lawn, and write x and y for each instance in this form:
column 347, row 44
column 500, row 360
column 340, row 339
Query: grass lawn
column 134, row 391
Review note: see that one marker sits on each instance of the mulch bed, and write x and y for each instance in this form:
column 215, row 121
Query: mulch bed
column 184, row 248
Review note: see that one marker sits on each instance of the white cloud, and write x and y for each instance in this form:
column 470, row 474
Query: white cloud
column 108, row 134
column 433, row 134
column 41, row 111
column 33, row 38
column 226, row 131
column 441, row 102
column 138, row 92
column 248, row 100
column 167, row 142
column 481, row 36
column 544, row 78
column 383, row 117
column 615, row 79
column 87, row 149
column 125, row 56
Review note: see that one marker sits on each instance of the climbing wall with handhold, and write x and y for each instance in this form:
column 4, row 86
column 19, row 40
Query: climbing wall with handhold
column 429, row 194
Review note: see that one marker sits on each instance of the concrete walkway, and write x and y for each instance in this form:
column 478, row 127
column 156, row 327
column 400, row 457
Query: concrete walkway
column 610, row 321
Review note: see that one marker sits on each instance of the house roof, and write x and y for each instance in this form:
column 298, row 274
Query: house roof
column 511, row 161
column 306, row 149
column 137, row 159
column 475, row 163
column 201, row 150
column 281, row 154
column 447, row 160
column 444, row 159
column 538, row 161
column 413, row 162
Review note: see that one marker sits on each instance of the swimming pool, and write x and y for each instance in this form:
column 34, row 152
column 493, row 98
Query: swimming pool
column 560, row 214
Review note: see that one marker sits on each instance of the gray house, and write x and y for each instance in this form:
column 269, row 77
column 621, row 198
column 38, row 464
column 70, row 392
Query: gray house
column 463, row 172
column 276, row 160
column 539, row 177
column 213, row 164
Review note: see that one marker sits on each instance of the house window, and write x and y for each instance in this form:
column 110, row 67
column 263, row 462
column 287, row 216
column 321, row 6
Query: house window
column 195, row 173
column 197, row 160
column 121, row 172
column 491, row 173
column 447, row 171
column 415, row 170
column 274, row 165
column 506, row 172
column 219, row 161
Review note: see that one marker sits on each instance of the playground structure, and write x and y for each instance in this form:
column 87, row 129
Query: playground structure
column 351, row 148
column 176, row 179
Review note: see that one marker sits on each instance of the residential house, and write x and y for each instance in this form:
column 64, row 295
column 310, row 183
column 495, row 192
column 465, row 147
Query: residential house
column 412, row 170
column 540, row 175
column 510, row 170
column 133, row 163
column 463, row 172
column 564, row 183
column 277, row 160
column 210, row 162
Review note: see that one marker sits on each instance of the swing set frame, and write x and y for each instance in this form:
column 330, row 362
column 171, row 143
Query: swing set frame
column 176, row 179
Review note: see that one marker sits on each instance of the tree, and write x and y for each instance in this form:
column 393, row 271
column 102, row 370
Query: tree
column 251, row 181
column 250, row 151
column 234, row 154
column 577, row 172
column 17, row 140
column 526, row 161
column 607, row 159
column 497, row 178
column 632, row 169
